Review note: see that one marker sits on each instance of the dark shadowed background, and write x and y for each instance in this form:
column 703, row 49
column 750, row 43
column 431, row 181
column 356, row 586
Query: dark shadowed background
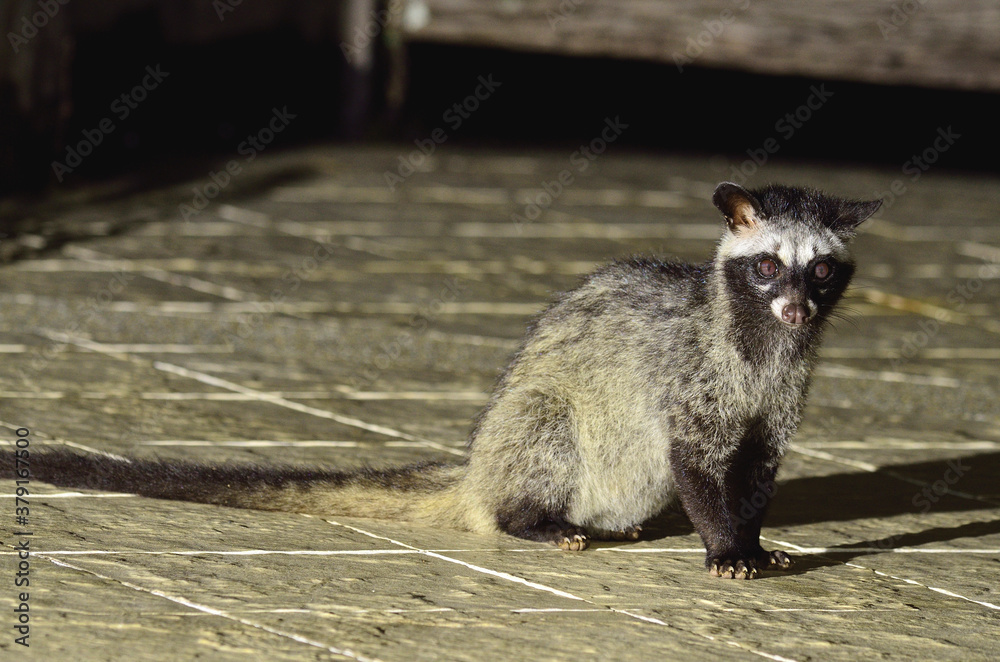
column 719, row 79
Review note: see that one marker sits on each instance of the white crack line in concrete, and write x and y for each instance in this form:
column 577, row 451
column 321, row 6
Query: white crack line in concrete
column 215, row 612
column 297, row 406
column 913, row 582
column 260, row 396
column 557, row 592
column 871, row 468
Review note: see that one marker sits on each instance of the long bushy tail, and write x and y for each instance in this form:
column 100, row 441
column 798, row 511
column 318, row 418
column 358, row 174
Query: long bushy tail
column 427, row 492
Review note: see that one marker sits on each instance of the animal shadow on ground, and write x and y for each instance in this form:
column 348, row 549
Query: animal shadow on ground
column 882, row 494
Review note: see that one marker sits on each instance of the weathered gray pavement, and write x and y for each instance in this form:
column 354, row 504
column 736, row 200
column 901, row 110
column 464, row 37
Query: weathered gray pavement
column 311, row 315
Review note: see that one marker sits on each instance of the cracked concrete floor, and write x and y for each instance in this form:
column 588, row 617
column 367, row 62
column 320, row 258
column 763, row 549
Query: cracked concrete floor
column 312, row 315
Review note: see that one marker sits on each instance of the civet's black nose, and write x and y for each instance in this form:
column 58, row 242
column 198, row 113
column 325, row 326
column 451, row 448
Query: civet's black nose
column 795, row 313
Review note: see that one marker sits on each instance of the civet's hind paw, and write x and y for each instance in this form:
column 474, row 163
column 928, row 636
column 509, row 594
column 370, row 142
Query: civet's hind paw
column 628, row 533
column 572, row 540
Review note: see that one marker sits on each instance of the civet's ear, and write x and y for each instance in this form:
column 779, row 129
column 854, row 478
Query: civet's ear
column 853, row 213
column 738, row 205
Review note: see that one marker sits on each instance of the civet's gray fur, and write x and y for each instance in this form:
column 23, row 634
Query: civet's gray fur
column 650, row 380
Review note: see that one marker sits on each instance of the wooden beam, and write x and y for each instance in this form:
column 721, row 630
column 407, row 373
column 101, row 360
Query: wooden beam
column 939, row 43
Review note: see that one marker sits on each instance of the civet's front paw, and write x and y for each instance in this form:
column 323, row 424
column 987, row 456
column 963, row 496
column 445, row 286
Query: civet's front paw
column 744, row 566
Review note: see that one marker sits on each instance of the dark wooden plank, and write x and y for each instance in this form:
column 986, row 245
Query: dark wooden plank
column 948, row 43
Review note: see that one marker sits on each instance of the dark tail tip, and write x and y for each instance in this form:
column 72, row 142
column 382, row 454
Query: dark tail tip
column 67, row 468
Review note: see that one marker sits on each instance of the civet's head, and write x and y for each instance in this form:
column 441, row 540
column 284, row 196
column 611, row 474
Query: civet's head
column 786, row 249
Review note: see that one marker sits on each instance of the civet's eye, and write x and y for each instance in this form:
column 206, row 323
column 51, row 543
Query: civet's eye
column 767, row 268
column 821, row 271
